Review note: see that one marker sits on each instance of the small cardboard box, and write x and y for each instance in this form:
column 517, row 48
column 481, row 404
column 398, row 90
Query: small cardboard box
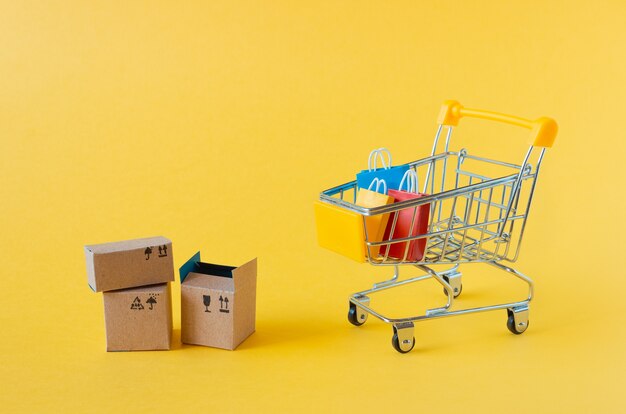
column 138, row 319
column 130, row 263
column 218, row 303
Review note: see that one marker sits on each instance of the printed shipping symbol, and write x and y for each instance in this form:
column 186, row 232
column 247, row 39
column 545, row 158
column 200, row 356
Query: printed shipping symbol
column 206, row 299
column 152, row 301
column 224, row 304
column 136, row 305
column 163, row 251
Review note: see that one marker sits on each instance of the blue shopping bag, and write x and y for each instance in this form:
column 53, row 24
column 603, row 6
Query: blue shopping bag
column 391, row 175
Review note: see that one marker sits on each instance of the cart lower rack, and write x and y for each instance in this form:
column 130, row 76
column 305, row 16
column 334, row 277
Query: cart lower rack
column 477, row 208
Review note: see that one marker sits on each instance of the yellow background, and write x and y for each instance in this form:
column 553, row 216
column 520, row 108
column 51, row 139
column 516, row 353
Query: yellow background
column 217, row 124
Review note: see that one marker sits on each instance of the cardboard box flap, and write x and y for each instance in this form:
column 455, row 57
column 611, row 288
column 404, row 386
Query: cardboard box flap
column 241, row 276
column 200, row 281
column 245, row 275
column 189, row 266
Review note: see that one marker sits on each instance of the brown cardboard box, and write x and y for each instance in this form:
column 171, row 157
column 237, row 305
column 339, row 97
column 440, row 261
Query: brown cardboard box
column 126, row 264
column 138, row 319
column 218, row 303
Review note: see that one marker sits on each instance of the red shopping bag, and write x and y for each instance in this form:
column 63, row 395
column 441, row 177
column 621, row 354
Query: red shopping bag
column 417, row 215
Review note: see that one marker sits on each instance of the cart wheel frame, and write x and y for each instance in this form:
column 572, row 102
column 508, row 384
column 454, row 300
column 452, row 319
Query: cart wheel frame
column 454, row 280
column 356, row 315
column 517, row 321
column 403, row 339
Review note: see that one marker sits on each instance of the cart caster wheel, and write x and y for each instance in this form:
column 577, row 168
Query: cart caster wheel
column 403, row 340
column 458, row 287
column 395, row 341
column 517, row 321
column 356, row 316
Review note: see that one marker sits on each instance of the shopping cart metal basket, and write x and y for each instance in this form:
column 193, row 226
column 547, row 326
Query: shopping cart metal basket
column 478, row 212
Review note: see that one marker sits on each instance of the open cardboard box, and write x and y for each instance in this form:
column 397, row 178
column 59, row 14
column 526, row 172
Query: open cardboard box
column 218, row 303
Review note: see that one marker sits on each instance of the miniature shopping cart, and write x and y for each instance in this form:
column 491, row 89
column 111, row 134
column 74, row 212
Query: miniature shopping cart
column 478, row 210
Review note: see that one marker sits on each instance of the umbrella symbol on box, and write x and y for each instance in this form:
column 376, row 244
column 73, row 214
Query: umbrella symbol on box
column 152, row 301
column 147, row 252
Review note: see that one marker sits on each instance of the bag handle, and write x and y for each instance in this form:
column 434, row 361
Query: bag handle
column 379, row 183
column 374, row 155
column 411, row 180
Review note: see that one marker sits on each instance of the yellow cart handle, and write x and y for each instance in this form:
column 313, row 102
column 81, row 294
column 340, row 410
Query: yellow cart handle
column 542, row 130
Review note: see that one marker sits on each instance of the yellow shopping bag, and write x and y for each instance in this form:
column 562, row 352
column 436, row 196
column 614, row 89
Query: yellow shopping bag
column 375, row 225
column 341, row 230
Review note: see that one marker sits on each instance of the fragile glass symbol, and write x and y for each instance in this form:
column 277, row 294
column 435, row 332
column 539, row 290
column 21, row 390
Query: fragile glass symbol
column 206, row 299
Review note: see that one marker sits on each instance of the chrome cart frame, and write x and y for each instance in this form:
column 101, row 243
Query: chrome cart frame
column 478, row 212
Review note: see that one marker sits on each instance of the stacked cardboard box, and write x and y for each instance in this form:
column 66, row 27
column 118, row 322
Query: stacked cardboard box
column 134, row 276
